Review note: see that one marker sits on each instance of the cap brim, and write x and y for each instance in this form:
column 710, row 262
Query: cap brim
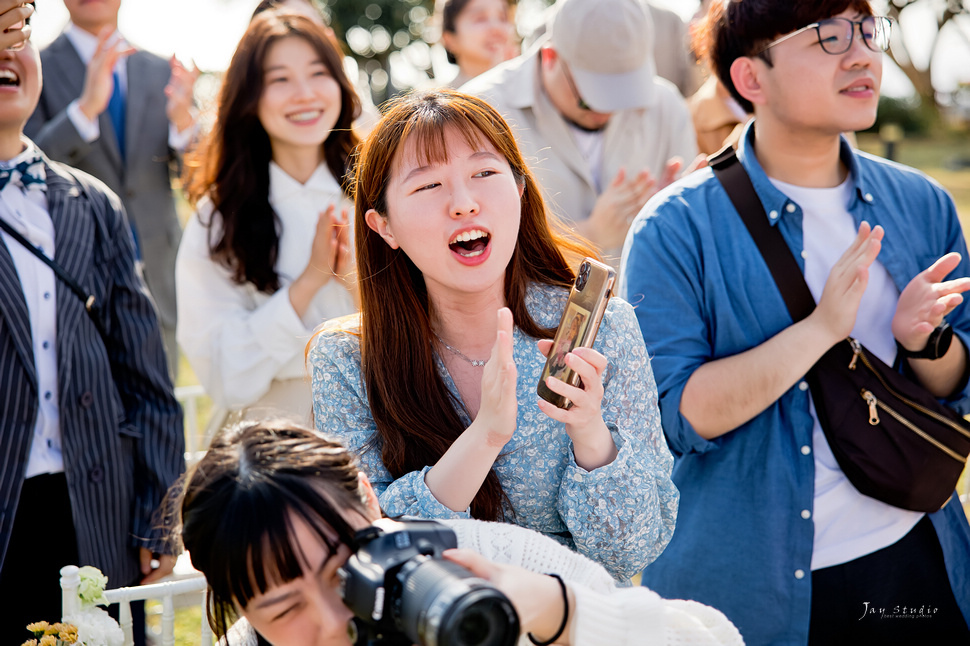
column 614, row 92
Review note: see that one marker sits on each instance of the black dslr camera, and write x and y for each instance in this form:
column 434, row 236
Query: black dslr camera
column 402, row 592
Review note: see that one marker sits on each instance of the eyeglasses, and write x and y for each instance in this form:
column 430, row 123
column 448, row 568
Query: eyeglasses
column 835, row 35
column 582, row 105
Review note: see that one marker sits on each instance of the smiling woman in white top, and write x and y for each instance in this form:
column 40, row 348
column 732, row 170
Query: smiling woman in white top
column 266, row 256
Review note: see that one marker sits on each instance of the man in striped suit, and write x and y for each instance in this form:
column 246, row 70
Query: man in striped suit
column 90, row 432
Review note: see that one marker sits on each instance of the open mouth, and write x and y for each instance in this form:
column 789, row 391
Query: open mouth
column 9, row 78
column 470, row 244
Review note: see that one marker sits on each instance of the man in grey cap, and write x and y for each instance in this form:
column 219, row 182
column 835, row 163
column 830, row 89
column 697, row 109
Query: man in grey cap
column 601, row 131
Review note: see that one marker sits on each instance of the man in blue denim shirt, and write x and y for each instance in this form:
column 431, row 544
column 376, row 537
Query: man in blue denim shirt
column 770, row 531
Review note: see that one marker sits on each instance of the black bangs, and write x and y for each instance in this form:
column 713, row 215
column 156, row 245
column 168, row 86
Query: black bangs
column 250, row 544
column 272, row 556
column 257, row 482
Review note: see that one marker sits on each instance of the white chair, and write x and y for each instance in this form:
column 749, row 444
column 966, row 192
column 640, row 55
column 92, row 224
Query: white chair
column 196, row 439
column 166, row 591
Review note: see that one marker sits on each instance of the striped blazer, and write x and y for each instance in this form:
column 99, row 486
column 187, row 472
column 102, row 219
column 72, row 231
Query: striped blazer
column 121, row 426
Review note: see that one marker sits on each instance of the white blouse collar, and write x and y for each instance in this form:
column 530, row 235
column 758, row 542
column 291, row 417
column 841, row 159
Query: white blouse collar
column 282, row 186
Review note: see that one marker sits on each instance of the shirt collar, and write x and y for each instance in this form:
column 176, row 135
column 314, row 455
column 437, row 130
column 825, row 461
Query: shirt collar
column 776, row 202
column 282, row 186
column 30, row 151
column 520, row 78
column 85, row 43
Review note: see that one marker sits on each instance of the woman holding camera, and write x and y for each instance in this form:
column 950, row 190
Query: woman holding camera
column 462, row 284
column 270, row 514
column 266, row 256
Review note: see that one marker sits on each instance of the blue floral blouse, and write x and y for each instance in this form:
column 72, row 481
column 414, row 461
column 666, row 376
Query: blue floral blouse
column 621, row 515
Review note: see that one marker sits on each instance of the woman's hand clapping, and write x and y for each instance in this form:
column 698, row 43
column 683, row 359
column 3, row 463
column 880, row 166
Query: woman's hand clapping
column 331, row 234
column 459, row 474
column 499, row 408
column 329, row 257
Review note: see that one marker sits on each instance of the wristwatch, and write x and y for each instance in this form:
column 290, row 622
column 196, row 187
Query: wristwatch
column 936, row 345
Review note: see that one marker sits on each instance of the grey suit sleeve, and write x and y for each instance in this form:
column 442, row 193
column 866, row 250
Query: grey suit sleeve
column 56, row 135
column 140, row 374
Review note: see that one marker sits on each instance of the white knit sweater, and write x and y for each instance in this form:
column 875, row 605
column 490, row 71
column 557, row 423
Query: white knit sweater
column 605, row 615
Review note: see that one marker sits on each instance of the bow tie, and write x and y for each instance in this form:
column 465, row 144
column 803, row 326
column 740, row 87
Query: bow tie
column 29, row 174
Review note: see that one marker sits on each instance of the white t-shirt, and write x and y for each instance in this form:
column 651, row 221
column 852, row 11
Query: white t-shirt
column 590, row 144
column 848, row 524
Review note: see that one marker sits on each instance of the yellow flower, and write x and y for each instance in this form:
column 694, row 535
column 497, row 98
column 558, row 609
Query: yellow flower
column 68, row 636
column 30, row 642
column 61, row 627
column 48, row 640
column 38, row 627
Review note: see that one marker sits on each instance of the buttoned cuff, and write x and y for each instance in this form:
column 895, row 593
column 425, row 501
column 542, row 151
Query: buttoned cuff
column 410, row 495
column 277, row 327
column 180, row 140
column 88, row 129
column 598, row 475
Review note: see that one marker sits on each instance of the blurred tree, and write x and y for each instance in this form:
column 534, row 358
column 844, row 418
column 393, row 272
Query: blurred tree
column 386, row 37
column 948, row 14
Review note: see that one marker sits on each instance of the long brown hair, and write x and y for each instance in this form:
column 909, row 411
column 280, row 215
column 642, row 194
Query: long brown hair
column 231, row 166
column 415, row 415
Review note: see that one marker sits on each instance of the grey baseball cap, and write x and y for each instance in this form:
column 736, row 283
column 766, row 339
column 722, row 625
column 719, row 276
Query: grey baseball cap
column 608, row 46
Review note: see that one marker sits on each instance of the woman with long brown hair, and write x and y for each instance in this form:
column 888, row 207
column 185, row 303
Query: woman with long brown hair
column 460, row 276
column 266, row 258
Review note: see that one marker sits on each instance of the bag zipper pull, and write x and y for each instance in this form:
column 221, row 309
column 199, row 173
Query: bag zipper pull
column 872, row 401
column 856, row 351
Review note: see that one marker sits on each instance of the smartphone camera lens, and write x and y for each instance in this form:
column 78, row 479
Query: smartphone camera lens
column 583, row 276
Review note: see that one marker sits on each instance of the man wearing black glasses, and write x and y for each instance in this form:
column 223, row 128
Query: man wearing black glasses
column 770, row 529
column 587, row 108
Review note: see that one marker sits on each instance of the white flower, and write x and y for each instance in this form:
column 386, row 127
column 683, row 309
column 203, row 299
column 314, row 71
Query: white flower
column 91, row 589
column 95, row 627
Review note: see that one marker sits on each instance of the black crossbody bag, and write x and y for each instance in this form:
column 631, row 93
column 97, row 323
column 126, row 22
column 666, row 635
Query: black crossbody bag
column 90, row 305
column 893, row 439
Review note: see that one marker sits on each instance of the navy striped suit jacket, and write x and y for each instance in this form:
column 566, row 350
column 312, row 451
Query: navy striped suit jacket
column 121, row 426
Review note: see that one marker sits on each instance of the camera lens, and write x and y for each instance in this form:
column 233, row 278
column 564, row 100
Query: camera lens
column 446, row 605
column 478, row 625
column 582, row 276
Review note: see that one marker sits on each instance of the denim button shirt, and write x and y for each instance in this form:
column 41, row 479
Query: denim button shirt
column 701, row 292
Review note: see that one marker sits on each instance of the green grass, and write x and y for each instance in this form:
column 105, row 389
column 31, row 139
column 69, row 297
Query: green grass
column 932, row 156
column 188, row 623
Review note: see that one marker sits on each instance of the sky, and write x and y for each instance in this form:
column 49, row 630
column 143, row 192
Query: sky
column 206, row 32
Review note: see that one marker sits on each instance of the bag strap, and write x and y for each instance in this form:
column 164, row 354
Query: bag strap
column 775, row 251
column 90, row 306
